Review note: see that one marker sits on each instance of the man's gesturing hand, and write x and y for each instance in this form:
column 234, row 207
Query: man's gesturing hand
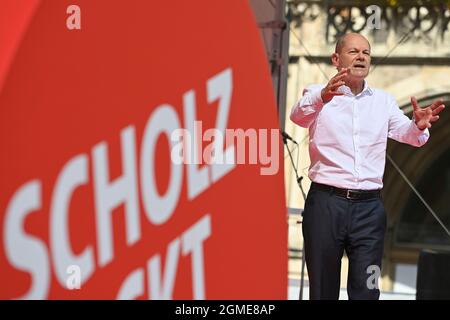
column 424, row 117
column 331, row 88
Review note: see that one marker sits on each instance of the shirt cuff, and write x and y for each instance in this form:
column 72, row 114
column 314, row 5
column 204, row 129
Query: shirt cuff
column 316, row 98
column 416, row 129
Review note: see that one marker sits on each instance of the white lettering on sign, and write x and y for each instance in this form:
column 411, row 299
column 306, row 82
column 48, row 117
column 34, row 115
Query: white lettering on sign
column 29, row 254
column 73, row 175
column 161, row 285
column 25, row 252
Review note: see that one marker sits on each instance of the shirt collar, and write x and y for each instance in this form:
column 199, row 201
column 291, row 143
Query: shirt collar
column 366, row 90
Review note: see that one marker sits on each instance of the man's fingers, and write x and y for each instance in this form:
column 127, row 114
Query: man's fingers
column 336, row 93
column 438, row 109
column 340, row 75
column 414, row 103
column 337, row 79
column 436, row 104
column 342, row 71
column 336, row 85
column 435, row 118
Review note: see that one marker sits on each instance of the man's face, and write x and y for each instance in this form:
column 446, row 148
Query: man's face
column 355, row 55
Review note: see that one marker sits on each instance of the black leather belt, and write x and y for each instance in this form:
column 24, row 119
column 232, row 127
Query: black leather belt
column 350, row 194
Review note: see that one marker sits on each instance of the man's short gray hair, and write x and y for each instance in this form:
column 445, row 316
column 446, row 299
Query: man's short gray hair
column 341, row 40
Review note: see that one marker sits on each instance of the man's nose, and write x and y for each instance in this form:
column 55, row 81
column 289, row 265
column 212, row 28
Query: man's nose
column 360, row 57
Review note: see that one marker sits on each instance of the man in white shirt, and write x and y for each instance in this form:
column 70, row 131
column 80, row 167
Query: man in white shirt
column 349, row 124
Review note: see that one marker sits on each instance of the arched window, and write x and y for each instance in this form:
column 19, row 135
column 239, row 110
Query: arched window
column 417, row 226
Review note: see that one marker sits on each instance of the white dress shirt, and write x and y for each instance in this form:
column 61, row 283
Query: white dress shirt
column 348, row 135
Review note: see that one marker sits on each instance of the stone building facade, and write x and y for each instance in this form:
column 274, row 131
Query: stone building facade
column 410, row 43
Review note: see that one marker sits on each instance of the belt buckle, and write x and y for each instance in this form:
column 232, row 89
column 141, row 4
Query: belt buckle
column 349, row 197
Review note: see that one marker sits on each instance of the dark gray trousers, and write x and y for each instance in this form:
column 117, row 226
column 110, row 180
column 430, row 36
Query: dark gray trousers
column 332, row 224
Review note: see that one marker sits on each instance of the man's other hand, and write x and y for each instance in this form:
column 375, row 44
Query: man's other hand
column 424, row 117
column 333, row 85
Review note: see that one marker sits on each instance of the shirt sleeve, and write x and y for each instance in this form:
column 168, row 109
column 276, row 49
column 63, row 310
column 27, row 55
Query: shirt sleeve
column 403, row 129
column 306, row 110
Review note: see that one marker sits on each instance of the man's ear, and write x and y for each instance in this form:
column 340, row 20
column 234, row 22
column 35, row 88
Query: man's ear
column 335, row 59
